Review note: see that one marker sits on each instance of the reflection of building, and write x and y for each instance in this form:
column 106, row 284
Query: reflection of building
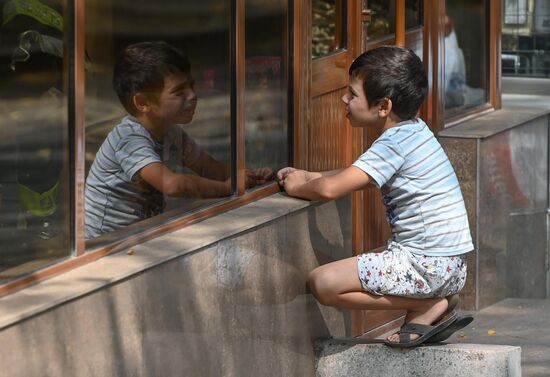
column 218, row 288
column 526, row 38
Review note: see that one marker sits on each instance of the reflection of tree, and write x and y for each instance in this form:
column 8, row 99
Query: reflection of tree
column 383, row 17
column 324, row 27
column 380, row 21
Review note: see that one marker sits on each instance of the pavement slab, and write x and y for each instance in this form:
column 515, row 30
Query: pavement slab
column 514, row 322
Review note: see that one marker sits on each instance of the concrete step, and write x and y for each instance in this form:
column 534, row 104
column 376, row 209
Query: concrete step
column 353, row 357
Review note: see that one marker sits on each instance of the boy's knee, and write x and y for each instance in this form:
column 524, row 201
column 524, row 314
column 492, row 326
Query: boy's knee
column 319, row 283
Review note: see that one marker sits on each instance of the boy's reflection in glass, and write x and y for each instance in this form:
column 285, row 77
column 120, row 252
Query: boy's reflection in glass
column 131, row 173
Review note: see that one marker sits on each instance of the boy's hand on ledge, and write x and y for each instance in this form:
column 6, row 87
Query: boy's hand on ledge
column 263, row 175
column 294, row 180
column 283, row 173
column 258, row 176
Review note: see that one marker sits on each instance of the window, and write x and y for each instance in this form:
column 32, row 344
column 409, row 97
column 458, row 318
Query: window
column 201, row 32
column 328, row 26
column 266, row 84
column 466, row 56
column 206, row 145
column 525, row 38
column 34, row 213
column 382, row 17
column 222, row 95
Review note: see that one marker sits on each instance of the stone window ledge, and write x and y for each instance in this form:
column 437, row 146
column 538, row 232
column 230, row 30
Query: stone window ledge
column 116, row 267
column 490, row 124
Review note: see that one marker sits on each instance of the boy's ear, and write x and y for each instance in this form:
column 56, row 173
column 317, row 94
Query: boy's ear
column 384, row 107
column 141, row 102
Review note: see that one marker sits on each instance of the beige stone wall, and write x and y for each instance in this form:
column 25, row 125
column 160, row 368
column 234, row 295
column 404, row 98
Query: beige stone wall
column 235, row 307
column 501, row 160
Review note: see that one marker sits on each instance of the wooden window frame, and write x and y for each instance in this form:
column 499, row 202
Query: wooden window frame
column 323, row 66
column 435, row 54
column 401, row 35
column 432, row 32
column 408, row 36
column 75, row 72
column 340, row 27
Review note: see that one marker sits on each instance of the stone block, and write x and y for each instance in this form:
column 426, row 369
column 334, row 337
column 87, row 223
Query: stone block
column 351, row 358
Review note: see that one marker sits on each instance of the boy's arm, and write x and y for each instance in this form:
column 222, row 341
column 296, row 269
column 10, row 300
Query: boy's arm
column 208, row 167
column 309, row 175
column 326, row 186
column 330, row 173
column 174, row 184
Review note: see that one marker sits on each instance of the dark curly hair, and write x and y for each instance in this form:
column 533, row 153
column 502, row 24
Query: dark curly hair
column 395, row 73
column 141, row 67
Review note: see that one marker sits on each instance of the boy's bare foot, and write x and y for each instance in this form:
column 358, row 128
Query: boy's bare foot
column 427, row 315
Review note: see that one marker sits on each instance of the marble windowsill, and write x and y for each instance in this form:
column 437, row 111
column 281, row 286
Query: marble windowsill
column 517, row 109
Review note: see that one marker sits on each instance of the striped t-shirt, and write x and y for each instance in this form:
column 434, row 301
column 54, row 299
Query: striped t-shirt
column 420, row 190
column 115, row 195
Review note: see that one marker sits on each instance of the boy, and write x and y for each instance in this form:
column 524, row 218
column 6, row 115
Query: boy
column 128, row 177
column 424, row 265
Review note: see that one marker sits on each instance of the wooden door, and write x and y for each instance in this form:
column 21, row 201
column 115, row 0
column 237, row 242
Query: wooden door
column 323, row 138
column 330, row 40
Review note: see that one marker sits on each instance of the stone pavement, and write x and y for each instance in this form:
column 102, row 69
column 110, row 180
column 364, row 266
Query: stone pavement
column 515, row 322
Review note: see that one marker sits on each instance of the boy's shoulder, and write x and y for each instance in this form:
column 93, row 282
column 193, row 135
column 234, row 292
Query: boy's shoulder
column 131, row 124
column 405, row 131
column 129, row 127
column 129, row 134
column 406, row 127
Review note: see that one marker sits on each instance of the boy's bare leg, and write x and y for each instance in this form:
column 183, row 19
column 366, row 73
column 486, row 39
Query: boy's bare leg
column 453, row 302
column 337, row 284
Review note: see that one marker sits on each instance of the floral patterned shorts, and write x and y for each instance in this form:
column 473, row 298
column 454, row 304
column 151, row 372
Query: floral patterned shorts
column 399, row 272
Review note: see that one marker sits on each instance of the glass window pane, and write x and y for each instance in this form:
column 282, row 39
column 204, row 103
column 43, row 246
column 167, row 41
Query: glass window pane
column 34, row 210
column 382, row 19
column 328, row 26
column 525, row 38
column 167, row 150
column 413, row 13
column 465, row 56
column 266, row 95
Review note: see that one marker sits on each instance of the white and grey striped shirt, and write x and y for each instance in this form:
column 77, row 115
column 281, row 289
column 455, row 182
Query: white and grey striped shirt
column 425, row 207
column 115, row 195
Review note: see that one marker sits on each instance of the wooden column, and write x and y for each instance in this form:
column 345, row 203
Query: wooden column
column 400, row 23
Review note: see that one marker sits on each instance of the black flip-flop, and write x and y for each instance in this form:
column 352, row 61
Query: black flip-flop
column 461, row 322
column 425, row 331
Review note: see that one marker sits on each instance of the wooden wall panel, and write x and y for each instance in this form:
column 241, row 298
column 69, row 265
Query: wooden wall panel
column 376, row 228
column 376, row 231
column 327, row 132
